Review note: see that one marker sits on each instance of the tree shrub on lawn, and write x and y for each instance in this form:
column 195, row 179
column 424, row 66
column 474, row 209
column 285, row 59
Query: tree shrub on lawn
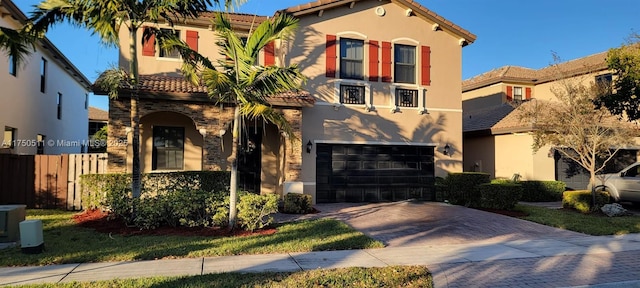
column 581, row 200
column 297, row 203
column 503, row 196
column 542, row 191
column 463, row 188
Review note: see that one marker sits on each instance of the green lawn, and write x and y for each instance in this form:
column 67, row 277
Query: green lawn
column 596, row 224
column 67, row 243
column 407, row 276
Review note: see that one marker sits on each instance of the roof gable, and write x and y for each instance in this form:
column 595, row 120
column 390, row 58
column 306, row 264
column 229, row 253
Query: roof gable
column 416, row 8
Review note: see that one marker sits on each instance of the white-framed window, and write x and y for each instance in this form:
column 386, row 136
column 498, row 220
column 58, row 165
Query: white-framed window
column 404, row 64
column 353, row 92
column 517, row 94
column 408, row 97
column 170, row 54
column 351, row 59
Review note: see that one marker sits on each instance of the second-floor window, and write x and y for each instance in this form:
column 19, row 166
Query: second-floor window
column 406, row 97
column 43, row 74
column 517, row 94
column 59, row 104
column 404, row 64
column 604, row 80
column 173, row 53
column 351, row 94
column 13, row 66
column 351, row 59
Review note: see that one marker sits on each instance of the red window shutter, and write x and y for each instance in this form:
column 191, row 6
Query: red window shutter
column 509, row 93
column 386, row 61
column 149, row 46
column 373, row 61
column 527, row 93
column 269, row 54
column 331, row 56
column 426, row 65
column 192, row 40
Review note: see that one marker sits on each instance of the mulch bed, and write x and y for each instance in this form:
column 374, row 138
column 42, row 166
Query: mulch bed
column 98, row 220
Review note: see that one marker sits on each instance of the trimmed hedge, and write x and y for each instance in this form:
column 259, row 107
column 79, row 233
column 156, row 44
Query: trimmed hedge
column 95, row 187
column 503, row 196
column 542, row 191
column 463, row 188
column 581, row 200
column 297, row 203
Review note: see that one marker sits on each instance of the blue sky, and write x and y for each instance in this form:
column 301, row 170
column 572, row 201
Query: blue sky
column 521, row 33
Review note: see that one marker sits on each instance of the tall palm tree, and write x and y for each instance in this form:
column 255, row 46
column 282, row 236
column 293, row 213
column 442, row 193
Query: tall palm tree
column 247, row 85
column 105, row 17
column 17, row 44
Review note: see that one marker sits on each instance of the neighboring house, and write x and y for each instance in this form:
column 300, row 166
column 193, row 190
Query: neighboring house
column 45, row 99
column 498, row 143
column 98, row 119
column 380, row 119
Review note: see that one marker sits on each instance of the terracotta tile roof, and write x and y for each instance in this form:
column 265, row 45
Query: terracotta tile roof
column 595, row 62
column 237, row 17
column 175, row 85
column 311, row 7
column 98, row 114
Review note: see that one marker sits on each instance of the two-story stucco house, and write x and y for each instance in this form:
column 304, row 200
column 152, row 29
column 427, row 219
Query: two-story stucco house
column 497, row 142
column 45, row 99
column 380, row 118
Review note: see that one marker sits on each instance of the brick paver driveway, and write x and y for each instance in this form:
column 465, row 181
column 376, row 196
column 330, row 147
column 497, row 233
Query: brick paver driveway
column 410, row 223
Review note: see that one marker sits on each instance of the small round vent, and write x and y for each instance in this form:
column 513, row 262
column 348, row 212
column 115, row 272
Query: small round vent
column 380, row 11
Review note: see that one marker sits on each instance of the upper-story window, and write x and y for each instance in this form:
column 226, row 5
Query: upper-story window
column 604, row 80
column 352, row 94
column 59, row 105
column 13, row 65
column 404, row 64
column 173, row 53
column 43, row 74
column 517, row 94
column 351, row 59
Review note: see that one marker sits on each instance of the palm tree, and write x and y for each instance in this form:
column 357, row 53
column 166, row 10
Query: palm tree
column 247, row 85
column 17, row 44
column 105, row 17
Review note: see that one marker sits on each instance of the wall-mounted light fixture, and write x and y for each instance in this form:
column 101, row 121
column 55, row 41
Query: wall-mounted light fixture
column 202, row 131
column 309, row 146
column 222, row 132
column 447, row 150
column 128, row 130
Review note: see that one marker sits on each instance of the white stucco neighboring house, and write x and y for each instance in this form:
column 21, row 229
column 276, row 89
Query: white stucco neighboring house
column 44, row 100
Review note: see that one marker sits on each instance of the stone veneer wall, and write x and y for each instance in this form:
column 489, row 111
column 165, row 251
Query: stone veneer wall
column 205, row 115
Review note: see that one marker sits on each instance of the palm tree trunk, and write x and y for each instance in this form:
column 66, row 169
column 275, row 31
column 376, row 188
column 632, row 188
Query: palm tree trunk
column 135, row 116
column 233, row 189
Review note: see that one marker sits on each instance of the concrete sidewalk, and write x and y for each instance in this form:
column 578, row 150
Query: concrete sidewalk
column 609, row 261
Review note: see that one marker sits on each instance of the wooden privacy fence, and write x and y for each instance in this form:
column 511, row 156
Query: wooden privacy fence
column 47, row 181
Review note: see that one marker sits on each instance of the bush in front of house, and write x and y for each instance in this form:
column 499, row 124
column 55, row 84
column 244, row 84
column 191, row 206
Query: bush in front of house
column 463, row 188
column 542, row 191
column 442, row 189
column 297, row 203
column 502, row 196
column 254, row 210
column 97, row 187
column 580, row 200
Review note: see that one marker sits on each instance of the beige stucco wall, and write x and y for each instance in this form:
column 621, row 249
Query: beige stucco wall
column 352, row 123
column 545, row 91
column 32, row 112
column 479, row 155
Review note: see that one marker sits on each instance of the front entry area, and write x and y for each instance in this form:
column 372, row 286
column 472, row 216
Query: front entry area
column 374, row 173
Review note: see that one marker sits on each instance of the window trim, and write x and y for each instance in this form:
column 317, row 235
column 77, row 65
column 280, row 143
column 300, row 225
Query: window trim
column 154, row 156
column 342, row 57
column 9, row 143
column 396, row 63
column 516, row 95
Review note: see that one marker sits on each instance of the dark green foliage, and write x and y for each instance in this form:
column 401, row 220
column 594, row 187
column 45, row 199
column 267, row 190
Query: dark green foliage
column 463, row 188
column 621, row 96
column 581, row 200
column 442, row 189
column 542, row 191
column 502, row 196
column 254, row 210
column 297, row 203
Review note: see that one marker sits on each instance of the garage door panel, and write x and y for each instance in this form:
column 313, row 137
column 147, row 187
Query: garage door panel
column 371, row 173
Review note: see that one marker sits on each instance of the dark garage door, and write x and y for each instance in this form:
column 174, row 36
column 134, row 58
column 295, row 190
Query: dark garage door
column 372, row 173
column 577, row 178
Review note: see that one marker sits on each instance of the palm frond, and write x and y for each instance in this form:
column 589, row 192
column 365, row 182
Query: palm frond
column 111, row 81
column 265, row 112
column 16, row 44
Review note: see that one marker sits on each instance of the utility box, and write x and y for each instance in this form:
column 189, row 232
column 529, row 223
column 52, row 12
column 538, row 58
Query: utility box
column 31, row 240
column 10, row 218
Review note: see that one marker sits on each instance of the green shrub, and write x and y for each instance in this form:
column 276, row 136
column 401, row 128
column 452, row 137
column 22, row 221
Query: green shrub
column 502, row 196
column 254, row 210
column 542, row 191
column 442, row 189
column 297, row 203
column 463, row 188
column 581, row 200
column 97, row 187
